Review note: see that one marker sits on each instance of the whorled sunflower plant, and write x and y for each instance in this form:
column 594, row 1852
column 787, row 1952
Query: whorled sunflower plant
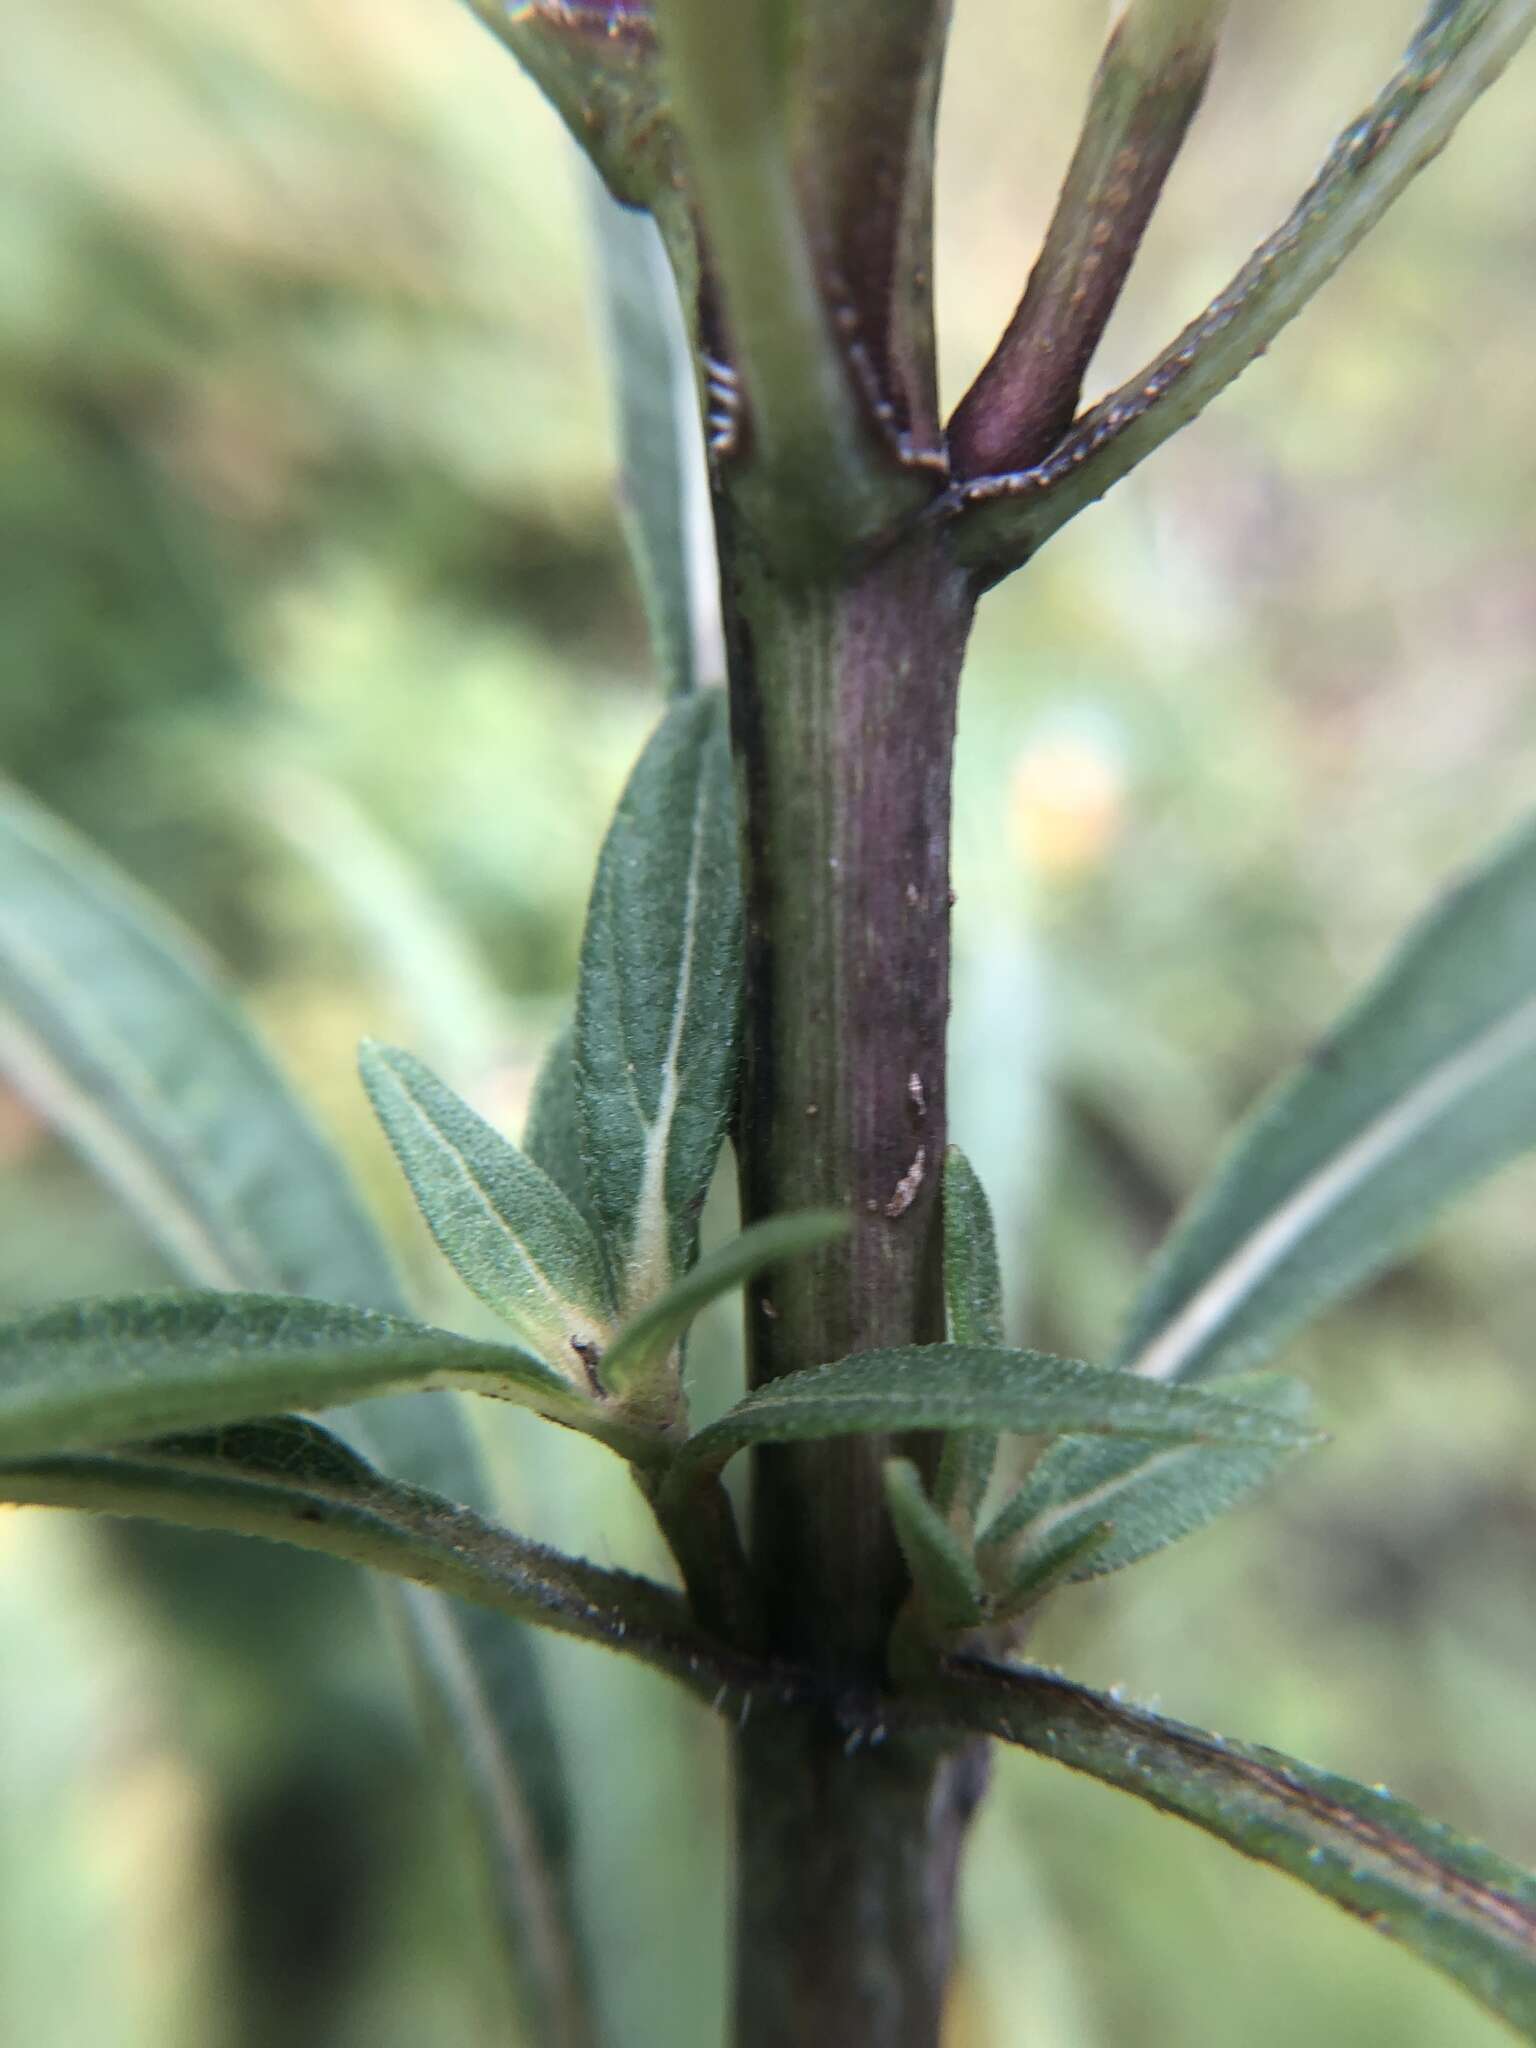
column 765, row 962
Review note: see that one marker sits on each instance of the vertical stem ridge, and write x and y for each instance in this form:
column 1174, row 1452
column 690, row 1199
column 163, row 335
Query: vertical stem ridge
column 843, row 706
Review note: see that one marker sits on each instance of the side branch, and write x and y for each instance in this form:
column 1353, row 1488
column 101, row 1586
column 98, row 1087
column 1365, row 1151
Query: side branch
column 1149, row 84
column 1456, row 1905
column 1461, row 48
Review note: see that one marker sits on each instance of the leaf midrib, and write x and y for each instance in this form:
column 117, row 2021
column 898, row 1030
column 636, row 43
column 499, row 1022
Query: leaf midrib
column 1263, row 1251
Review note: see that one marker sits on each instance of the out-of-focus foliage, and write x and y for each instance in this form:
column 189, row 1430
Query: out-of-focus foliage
column 316, row 614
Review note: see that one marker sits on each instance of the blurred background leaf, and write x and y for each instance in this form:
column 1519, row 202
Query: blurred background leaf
column 318, row 616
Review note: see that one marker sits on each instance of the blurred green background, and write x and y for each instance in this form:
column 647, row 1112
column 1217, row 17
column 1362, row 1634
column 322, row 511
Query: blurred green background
column 316, row 616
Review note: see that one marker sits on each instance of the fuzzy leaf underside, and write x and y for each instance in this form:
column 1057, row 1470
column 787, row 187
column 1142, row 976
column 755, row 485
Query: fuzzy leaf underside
column 262, row 1481
column 958, row 1386
column 1151, row 1493
column 508, row 1231
column 552, row 1134
column 1425, row 1087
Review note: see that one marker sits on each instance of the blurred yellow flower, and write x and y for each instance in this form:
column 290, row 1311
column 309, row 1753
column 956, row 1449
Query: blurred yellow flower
column 1066, row 804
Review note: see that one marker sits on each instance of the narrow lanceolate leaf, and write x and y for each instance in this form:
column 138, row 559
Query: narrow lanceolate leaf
column 1428, row 1085
column 663, row 485
column 969, row 1386
column 552, row 1134
column 391, row 1528
column 111, row 1372
column 942, row 1567
column 1461, row 47
column 1455, row 1904
column 504, row 1226
column 113, row 1023
column 1150, row 1493
column 658, row 999
column 644, row 1347
column 973, row 1298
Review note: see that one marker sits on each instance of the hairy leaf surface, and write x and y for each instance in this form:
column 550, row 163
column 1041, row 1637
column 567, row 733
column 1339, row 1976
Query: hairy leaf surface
column 1151, row 1493
column 508, row 1231
column 644, row 1345
column 968, row 1386
column 1455, row 1904
column 658, row 999
column 111, row 1372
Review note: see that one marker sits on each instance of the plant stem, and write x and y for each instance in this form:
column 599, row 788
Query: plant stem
column 845, row 1884
column 843, row 711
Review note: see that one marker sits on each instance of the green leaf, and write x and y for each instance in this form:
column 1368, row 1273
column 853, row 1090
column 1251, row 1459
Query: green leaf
column 973, row 1297
column 643, row 1348
column 552, row 1134
column 1428, row 1085
column 1056, row 1561
column 663, row 486
column 507, row 1230
column 1455, row 1904
column 392, row 1528
column 658, row 999
column 112, row 1022
column 967, row 1386
column 111, row 1372
column 943, row 1570
column 1152, row 1493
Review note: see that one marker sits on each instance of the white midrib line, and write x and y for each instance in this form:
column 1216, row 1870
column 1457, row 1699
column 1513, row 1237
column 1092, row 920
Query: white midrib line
column 1265, row 1249
column 124, row 1165
column 564, row 1310
column 650, row 1259
column 1040, row 1526
column 488, row 1762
